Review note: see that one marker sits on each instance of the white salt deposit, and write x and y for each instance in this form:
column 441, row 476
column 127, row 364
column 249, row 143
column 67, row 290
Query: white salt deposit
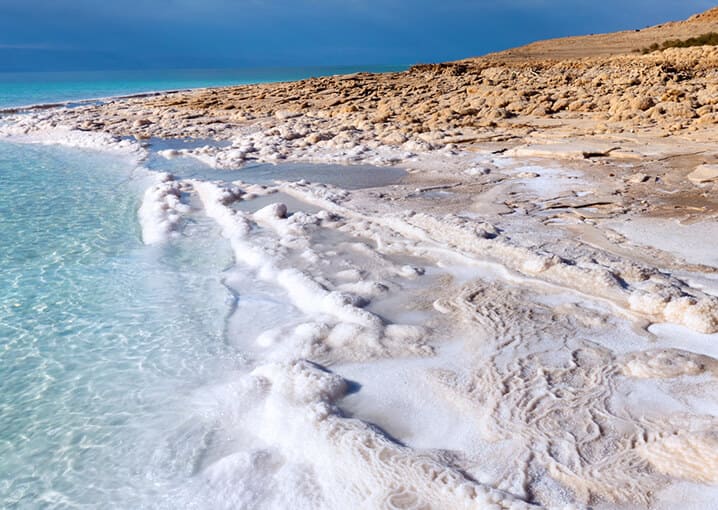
column 546, row 182
column 161, row 210
column 679, row 337
column 43, row 129
column 497, row 364
column 344, row 327
column 696, row 243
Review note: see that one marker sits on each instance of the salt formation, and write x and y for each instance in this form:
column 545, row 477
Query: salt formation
column 569, row 396
column 641, row 288
column 342, row 328
column 534, row 382
column 687, row 449
column 355, row 465
column 667, row 363
column 43, row 128
column 313, row 457
column 161, row 210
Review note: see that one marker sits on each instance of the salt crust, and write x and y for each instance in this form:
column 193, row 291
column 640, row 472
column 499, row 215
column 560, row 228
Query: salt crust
column 293, row 390
column 44, row 129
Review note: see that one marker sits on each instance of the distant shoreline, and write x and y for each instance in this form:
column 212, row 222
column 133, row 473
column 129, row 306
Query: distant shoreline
column 91, row 86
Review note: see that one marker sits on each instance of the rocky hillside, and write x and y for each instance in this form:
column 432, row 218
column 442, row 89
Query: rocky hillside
column 613, row 43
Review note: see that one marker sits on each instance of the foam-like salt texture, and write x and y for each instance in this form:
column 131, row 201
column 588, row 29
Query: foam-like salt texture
column 42, row 128
column 537, row 382
column 667, row 363
column 586, row 429
column 161, row 210
column 343, row 329
column 688, row 451
column 291, row 410
column 290, row 142
column 642, row 289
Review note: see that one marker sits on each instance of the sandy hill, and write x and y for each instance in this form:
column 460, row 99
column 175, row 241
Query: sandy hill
column 611, row 44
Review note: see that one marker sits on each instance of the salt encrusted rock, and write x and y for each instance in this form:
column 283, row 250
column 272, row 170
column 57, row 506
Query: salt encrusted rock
column 477, row 171
column 272, row 211
column 527, row 175
column 286, row 114
column 394, row 138
column 410, row 271
column 665, row 363
column 486, row 230
column 536, row 263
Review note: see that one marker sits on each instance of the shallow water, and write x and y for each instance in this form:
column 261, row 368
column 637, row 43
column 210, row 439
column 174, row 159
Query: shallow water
column 344, row 176
column 101, row 336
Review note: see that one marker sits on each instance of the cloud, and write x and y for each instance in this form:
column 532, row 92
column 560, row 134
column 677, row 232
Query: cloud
column 33, row 46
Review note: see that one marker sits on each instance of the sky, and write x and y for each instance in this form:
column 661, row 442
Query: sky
column 40, row 35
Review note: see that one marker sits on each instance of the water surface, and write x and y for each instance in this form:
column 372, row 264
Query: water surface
column 28, row 88
column 102, row 339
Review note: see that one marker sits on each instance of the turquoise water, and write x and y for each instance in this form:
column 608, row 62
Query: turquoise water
column 21, row 89
column 102, row 339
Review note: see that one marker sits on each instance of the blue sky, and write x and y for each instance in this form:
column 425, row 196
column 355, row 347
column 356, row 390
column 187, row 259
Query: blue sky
column 112, row 34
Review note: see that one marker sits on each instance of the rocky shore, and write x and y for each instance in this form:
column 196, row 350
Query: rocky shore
column 623, row 106
column 668, row 92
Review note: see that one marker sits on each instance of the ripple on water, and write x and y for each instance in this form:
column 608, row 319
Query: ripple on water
column 101, row 337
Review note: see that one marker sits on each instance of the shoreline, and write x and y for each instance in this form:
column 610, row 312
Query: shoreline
column 272, row 139
column 364, row 109
column 583, row 345
column 29, row 108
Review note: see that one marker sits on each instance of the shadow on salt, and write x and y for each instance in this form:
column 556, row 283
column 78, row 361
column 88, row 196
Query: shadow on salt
column 293, row 204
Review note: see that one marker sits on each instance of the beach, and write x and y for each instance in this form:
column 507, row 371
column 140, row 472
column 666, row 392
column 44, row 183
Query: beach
column 521, row 312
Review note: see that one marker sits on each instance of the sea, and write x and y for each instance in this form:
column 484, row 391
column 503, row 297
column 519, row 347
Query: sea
column 32, row 88
column 107, row 344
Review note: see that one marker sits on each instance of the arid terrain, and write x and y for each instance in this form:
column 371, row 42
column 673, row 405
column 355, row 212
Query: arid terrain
column 613, row 43
column 593, row 98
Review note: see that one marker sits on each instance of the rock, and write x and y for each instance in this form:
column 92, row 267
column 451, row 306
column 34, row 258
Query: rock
column 565, row 150
column 703, row 174
column 394, row 138
column 527, row 175
column 639, row 178
column 313, row 138
column 272, row 212
column 410, row 271
column 486, row 230
column 286, row 114
column 477, row 171
column 642, row 103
